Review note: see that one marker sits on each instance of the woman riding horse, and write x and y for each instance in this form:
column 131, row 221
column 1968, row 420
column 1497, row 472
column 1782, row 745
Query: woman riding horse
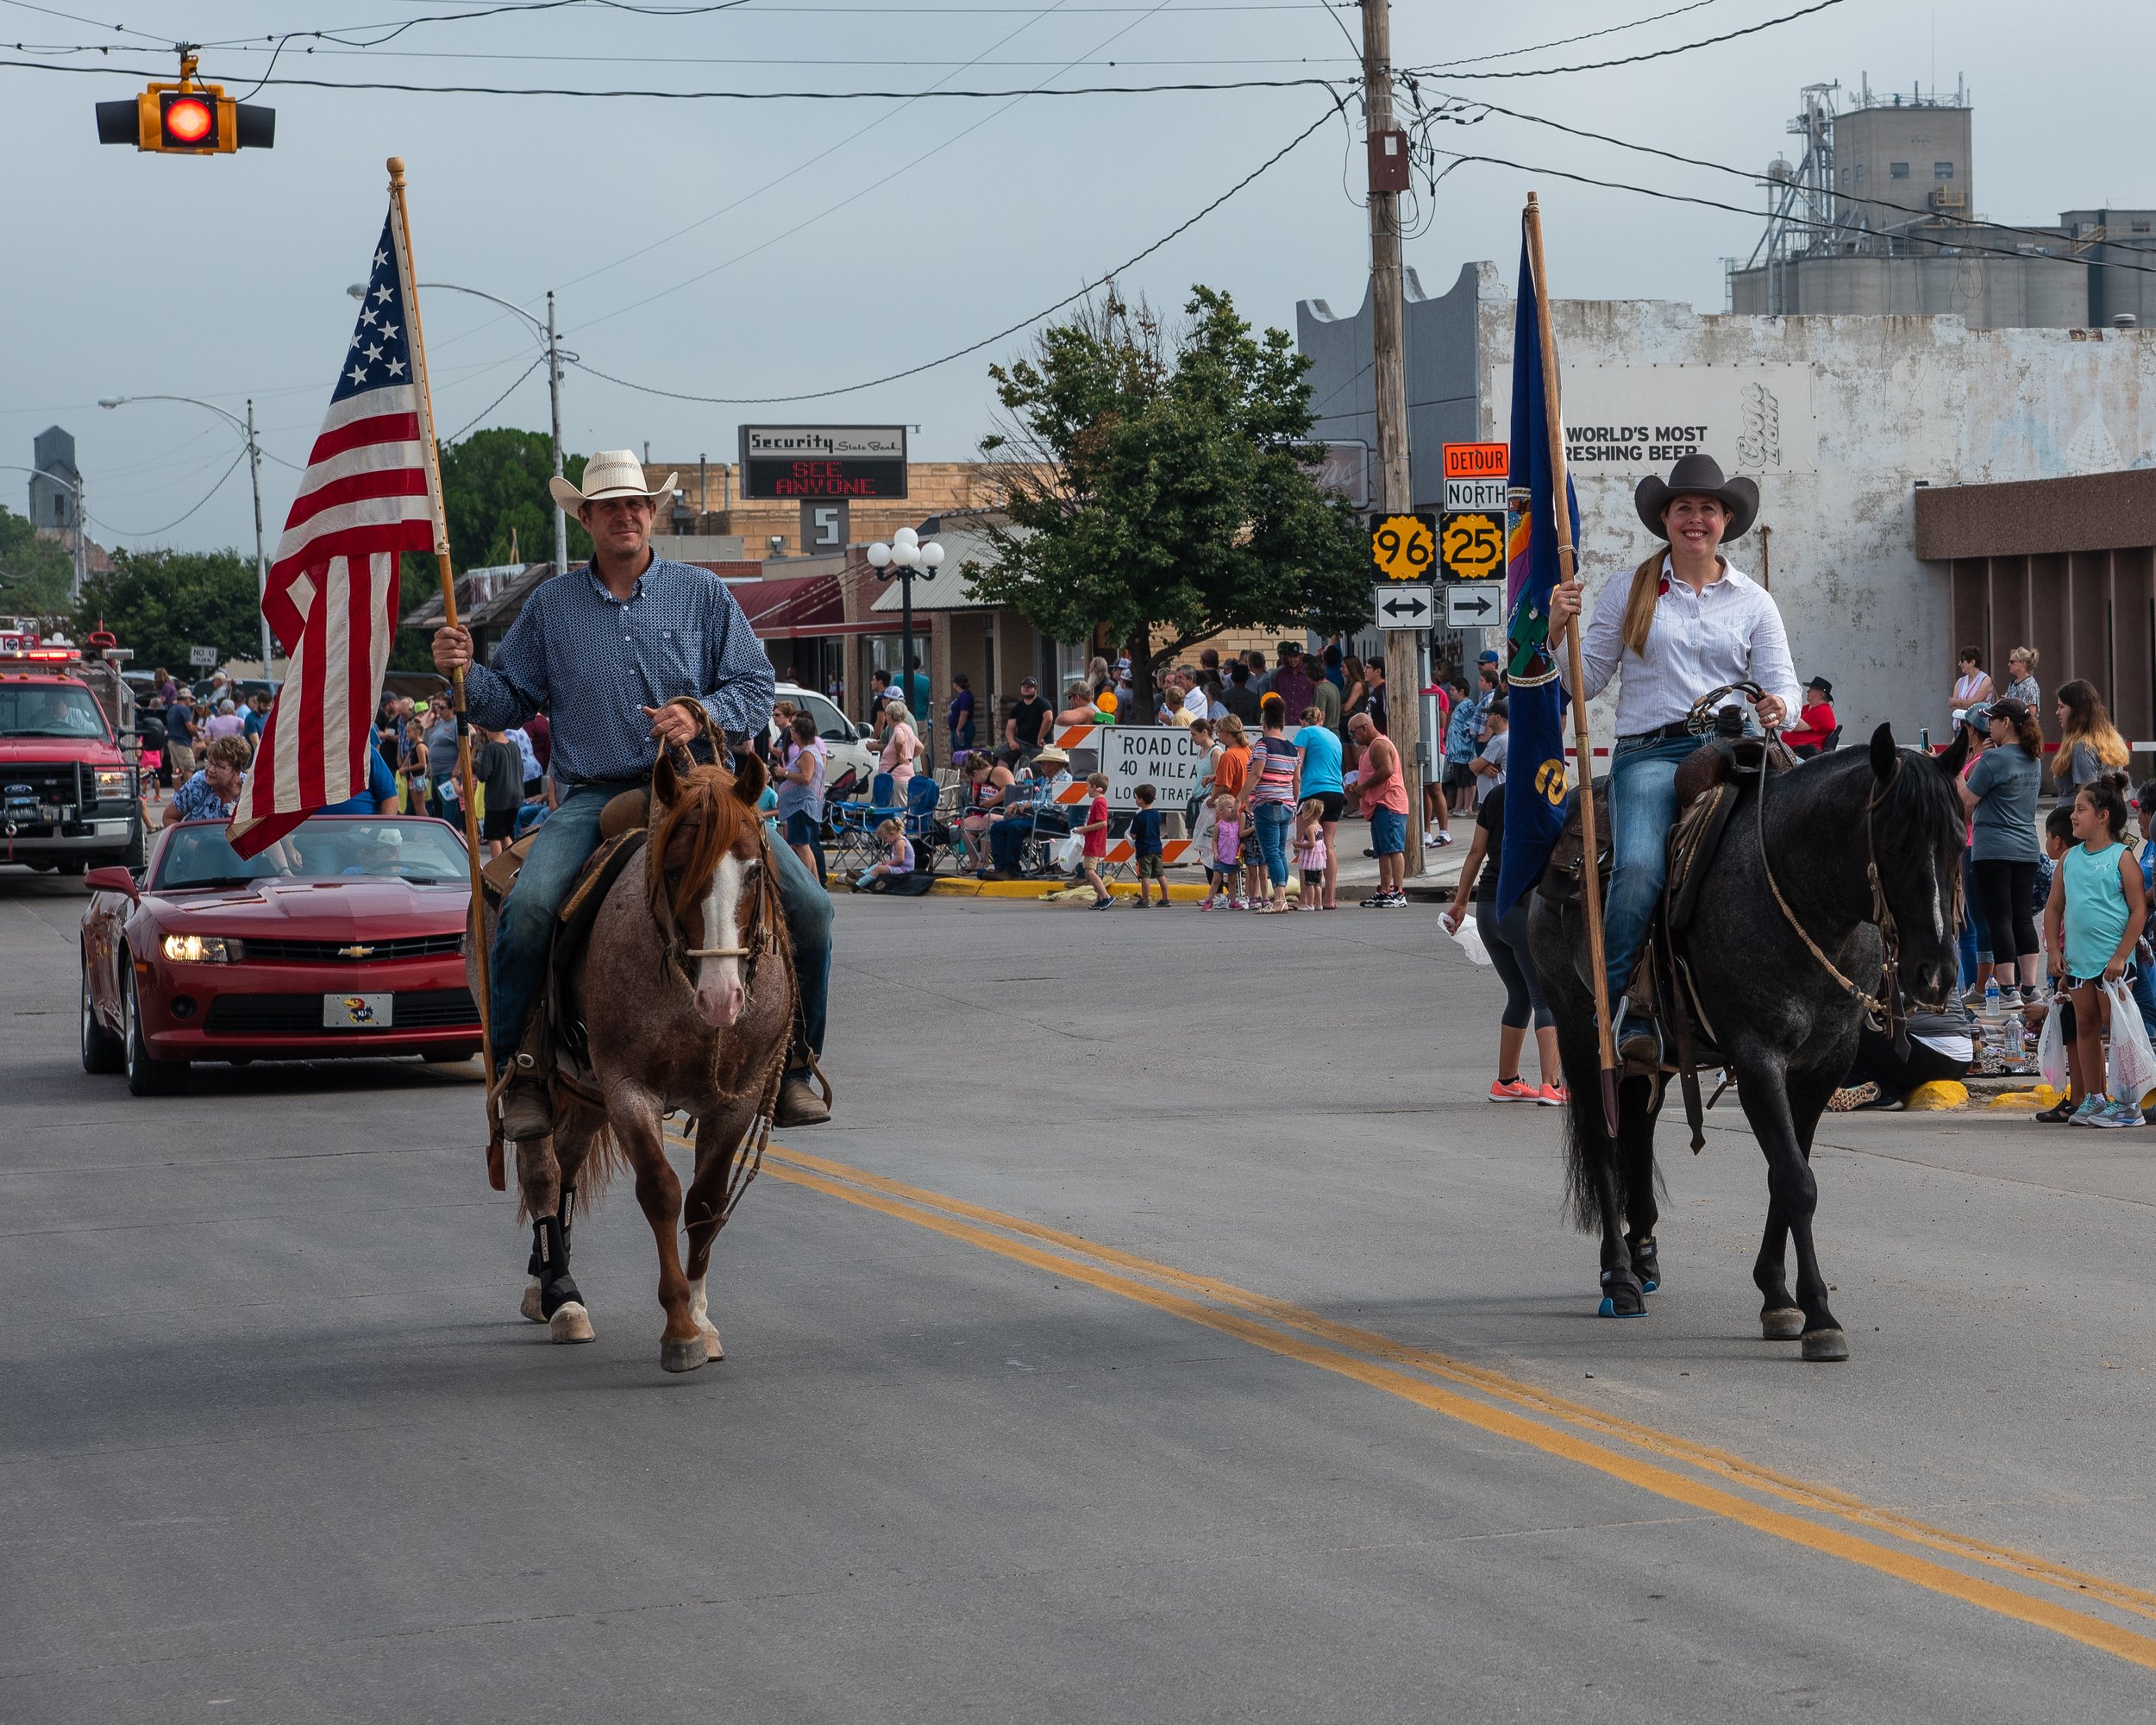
column 1684, row 623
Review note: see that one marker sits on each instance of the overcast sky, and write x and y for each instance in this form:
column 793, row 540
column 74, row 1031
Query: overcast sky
column 767, row 248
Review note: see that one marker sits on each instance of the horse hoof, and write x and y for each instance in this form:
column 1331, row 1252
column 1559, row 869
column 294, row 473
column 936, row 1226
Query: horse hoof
column 713, row 1348
column 1648, row 1284
column 682, row 1356
column 1608, row 1308
column 571, row 1323
column 1825, row 1344
column 1781, row 1324
column 531, row 1308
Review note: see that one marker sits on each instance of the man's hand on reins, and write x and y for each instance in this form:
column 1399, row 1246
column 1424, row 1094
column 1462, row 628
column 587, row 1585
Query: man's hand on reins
column 670, row 724
column 1771, row 711
column 452, row 650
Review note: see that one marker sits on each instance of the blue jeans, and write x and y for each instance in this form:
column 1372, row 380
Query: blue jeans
column 1273, row 820
column 525, row 932
column 1642, row 809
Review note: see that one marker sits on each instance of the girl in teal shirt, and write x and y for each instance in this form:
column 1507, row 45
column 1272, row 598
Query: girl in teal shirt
column 2092, row 919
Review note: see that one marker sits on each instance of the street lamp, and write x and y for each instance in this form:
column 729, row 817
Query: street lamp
column 254, row 473
column 82, row 520
column 550, row 345
column 902, row 557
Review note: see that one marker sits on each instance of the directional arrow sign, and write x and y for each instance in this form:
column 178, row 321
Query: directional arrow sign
column 1405, row 606
column 1472, row 605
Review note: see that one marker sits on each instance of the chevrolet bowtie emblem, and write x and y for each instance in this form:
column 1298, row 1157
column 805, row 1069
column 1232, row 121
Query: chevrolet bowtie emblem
column 355, row 952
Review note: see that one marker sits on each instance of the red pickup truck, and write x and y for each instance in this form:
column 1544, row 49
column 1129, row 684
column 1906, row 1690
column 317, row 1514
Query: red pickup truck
column 67, row 794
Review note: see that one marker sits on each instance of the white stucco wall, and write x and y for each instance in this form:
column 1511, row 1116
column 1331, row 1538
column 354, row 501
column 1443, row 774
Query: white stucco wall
column 1892, row 400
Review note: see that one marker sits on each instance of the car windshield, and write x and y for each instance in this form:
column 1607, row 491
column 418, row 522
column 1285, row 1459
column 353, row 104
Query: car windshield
column 327, row 848
column 831, row 725
column 49, row 710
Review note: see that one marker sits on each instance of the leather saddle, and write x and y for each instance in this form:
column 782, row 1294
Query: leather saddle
column 622, row 835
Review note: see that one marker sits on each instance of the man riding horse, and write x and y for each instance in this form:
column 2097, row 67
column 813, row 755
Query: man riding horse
column 604, row 649
column 1683, row 624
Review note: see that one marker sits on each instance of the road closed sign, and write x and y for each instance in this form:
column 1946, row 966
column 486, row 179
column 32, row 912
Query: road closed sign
column 1161, row 755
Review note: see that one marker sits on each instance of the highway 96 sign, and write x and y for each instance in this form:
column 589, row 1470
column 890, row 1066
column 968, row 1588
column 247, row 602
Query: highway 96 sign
column 1471, row 545
column 1402, row 547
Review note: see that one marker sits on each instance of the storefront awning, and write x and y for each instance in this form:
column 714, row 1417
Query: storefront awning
column 799, row 606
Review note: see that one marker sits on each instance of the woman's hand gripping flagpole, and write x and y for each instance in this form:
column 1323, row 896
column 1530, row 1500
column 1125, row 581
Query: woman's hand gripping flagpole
column 1590, row 877
column 497, row 1173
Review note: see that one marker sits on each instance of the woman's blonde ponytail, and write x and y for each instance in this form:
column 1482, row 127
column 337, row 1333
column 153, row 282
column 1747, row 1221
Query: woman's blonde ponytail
column 1640, row 603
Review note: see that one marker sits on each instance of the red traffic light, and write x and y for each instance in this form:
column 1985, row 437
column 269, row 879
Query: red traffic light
column 189, row 120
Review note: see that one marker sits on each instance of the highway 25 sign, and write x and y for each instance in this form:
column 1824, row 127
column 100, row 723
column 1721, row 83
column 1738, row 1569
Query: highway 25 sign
column 1471, row 545
column 1403, row 546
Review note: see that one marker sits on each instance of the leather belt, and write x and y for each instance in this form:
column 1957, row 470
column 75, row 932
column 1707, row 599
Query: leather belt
column 1662, row 733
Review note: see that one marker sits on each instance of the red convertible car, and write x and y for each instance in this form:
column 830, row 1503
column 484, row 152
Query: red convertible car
column 345, row 937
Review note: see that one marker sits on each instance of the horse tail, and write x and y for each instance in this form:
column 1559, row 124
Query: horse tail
column 603, row 1158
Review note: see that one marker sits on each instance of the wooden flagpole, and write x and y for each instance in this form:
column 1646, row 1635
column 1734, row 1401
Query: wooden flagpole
column 1590, row 877
column 497, row 1175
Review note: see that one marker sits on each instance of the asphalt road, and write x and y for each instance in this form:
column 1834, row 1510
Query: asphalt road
column 1166, row 1330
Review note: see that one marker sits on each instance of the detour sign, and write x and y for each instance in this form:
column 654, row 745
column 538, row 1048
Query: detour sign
column 1403, row 546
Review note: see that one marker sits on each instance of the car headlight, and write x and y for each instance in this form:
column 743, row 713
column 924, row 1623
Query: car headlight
column 114, row 781
column 203, row 948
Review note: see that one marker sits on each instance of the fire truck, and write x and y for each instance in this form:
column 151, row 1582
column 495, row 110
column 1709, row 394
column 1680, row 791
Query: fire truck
column 68, row 743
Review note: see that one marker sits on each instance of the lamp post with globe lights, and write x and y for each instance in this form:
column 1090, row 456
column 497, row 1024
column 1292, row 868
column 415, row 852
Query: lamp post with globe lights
column 905, row 557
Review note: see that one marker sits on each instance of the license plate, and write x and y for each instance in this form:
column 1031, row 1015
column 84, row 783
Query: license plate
column 358, row 1011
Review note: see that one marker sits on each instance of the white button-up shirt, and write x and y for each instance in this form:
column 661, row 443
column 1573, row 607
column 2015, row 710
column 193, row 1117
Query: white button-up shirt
column 1730, row 632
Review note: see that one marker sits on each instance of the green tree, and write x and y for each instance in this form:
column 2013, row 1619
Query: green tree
column 1165, row 484
column 161, row 603
column 497, row 480
column 34, row 573
column 492, row 482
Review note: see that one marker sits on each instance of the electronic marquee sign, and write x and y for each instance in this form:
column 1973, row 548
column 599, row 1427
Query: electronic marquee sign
column 800, row 463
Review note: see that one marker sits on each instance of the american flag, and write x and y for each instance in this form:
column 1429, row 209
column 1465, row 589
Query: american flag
column 332, row 591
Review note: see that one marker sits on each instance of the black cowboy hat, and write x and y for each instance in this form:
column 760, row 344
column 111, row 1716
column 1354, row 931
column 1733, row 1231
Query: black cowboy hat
column 1698, row 476
column 1822, row 686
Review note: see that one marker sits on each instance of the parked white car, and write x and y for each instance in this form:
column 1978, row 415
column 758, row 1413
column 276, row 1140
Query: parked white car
column 842, row 737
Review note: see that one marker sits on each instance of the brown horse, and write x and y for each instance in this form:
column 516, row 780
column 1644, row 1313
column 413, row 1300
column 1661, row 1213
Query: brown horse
column 687, row 991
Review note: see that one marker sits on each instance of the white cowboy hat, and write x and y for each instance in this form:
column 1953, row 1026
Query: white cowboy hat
column 611, row 473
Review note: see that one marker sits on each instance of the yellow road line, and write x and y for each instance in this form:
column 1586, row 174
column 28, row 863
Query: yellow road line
column 947, row 1216
column 1818, row 1498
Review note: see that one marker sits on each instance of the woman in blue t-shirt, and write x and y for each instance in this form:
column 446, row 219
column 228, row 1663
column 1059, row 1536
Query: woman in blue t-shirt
column 2000, row 794
column 1319, row 749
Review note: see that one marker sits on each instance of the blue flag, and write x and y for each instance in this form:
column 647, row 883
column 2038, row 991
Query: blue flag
column 1534, row 762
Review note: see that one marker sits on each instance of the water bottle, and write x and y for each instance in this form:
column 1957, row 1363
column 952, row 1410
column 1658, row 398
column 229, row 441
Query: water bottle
column 1990, row 1018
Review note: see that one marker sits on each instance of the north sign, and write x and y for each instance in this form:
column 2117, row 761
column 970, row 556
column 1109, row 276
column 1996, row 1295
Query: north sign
column 1402, row 547
column 1403, row 607
column 1471, row 545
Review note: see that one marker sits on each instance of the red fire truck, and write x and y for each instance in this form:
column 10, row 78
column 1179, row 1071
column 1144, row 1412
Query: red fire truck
column 68, row 799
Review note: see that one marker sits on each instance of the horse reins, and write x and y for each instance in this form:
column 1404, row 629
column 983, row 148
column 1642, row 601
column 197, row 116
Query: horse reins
column 1885, row 1012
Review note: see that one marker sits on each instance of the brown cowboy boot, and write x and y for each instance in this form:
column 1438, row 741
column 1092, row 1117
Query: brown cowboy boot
column 799, row 1105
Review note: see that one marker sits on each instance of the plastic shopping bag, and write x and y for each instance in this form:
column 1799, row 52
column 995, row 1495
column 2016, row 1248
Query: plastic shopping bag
column 1470, row 941
column 2051, row 1048
column 2133, row 1062
column 1069, row 852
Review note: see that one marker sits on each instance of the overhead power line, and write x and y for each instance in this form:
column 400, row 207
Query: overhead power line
column 1327, row 85
column 1734, row 209
column 1567, row 42
column 151, row 532
column 986, row 341
column 1444, row 69
column 2052, row 234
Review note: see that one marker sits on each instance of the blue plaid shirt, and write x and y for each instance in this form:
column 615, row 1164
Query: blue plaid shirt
column 594, row 661
column 196, row 801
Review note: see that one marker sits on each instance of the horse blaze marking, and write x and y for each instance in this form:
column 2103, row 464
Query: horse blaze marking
column 1339, row 1348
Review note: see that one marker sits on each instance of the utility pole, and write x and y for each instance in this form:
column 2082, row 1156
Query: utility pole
column 553, row 401
column 261, row 563
column 1395, row 485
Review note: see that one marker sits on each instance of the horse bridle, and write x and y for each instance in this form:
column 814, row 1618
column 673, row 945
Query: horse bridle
column 1885, row 1012
column 761, row 941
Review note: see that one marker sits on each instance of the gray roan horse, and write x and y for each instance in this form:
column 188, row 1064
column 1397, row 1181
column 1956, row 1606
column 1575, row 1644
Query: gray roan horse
column 687, row 990
column 1854, row 839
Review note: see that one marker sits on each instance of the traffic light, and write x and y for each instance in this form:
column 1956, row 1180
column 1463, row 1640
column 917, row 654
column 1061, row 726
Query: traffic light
column 187, row 118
